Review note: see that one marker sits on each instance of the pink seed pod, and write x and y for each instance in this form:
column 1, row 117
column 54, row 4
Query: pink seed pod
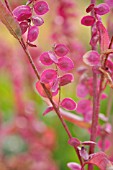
column 41, row 7
column 45, row 59
column 91, row 58
column 37, row 21
column 48, row 76
column 23, row 26
column 68, row 104
column 61, row 50
column 74, row 166
column 90, row 8
column 22, row 12
column 65, row 64
column 102, row 9
column 88, row 20
column 33, row 33
column 66, row 79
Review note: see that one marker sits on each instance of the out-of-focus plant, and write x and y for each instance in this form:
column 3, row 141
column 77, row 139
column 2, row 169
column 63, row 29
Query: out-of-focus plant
column 94, row 77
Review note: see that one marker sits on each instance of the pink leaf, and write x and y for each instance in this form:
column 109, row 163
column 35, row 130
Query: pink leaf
column 88, row 20
column 41, row 7
column 74, row 142
column 49, row 109
column 61, row 50
column 66, row 79
column 65, row 64
column 99, row 159
column 68, row 104
column 48, row 76
column 104, row 37
column 102, row 9
column 91, row 58
column 45, row 59
column 74, row 166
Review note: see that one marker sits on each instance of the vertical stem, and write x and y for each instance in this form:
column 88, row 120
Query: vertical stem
column 95, row 103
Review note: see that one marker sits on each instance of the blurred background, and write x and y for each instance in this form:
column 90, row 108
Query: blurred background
column 28, row 140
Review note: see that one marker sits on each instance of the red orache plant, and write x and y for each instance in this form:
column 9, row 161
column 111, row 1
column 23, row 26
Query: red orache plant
column 26, row 19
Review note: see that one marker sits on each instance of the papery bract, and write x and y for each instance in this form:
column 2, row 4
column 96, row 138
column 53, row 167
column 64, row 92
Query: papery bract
column 49, row 109
column 90, row 8
column 23, row 26
column 102, row 9
column 66, row 79
column 41, row 7
column 33, row 33
column 68, row 104
column 55, row 85
column 22, row 12
column 48, row 76
column 91, row 58
column 88, row 20
column 65, row 64
column 74, row 166
column 38, row 21
column 53, row 57
column 45, row 59
column 61, row 50
column 84, row 154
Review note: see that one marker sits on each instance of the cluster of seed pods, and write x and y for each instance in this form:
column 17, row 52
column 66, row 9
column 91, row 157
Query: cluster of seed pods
column 51, row 78
column 29, row 17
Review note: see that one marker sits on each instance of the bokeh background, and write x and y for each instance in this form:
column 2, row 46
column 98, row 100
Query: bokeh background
column 28, row 140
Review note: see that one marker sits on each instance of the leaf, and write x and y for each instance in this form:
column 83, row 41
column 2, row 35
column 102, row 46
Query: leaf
column 77, row 120
column 8, row 20
column 104, row 37
column 99, row 159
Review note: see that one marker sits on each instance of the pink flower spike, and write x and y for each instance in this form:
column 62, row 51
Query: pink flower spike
column 102, row 9
column 91, row 58
column 90, row 8
column 49, row 109
column 33, row 33
column 88, row 20
column 53, row 57
column 45, row 59
column 74, row 142
column 61, row 50
column 37, row 21
column 41, row 7
column 107, row 144
column 73, row 166
column 65, row 64
column 82, row 90
column 48, row 76
column 68, row 104
column 66, row 79
column 22, row 12
column 23, row 26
